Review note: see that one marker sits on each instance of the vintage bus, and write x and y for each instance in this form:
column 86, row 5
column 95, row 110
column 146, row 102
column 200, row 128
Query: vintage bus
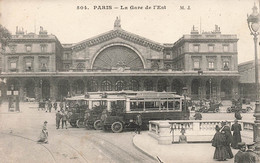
column 121, row 108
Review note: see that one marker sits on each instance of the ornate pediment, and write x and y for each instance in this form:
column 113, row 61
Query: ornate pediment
column 121, row 34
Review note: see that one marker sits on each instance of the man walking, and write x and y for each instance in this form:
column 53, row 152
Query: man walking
column 58, row 118
column 138, row 123
column 236, row 128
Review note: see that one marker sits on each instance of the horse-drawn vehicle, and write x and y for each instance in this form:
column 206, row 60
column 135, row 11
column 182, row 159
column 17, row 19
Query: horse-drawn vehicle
column 241, row 104
column 209, row 106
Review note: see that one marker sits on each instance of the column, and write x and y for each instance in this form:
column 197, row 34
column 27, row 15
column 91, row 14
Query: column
column 219, row 63
column 36, row 63
column 20, row 64
column 204, row 63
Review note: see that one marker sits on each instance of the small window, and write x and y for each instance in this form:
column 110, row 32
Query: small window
column 225, row 48
column 12, row 48
column 43, row 48
column 211, row 48
column 168, row 56
column 226, row 65
column 28, row 66
column 196, row 48
column 196, row 64
column 28, row 48
column 211, row 65
column 13, row 65
column 43, row 67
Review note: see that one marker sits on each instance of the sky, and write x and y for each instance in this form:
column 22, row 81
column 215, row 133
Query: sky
column 73, row 21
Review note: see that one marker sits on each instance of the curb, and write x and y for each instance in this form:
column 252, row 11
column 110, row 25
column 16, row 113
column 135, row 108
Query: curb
column 142, row 151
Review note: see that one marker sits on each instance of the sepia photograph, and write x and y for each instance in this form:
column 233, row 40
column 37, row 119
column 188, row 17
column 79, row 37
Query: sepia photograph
column 129, row 81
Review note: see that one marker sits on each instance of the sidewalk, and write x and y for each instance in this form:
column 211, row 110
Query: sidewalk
column 177, row 153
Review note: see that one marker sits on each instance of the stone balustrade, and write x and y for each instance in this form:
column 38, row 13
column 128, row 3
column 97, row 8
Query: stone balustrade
column 168, row 131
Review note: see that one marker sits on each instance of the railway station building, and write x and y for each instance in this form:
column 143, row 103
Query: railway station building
column 39, row 66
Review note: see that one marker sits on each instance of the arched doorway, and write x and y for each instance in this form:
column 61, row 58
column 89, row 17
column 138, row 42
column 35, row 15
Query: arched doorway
column 226, row 89
column 92, row 86
column 46, row 89
column 195, row 86
column 177, row 86
column 78, row 87
column 106, row 85
column 13, row 84
column 29, row 88
column 162, row 85
column 120, row 85
column 63, row 89
column 134, row 85
column 148, row 85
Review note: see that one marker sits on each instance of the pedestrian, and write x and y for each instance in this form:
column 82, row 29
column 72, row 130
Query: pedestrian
column 240, row 155
column 61, row 105
column 250, row 156
column 182, row 137
column 197, row 115
column 236, row 128
column 238, row 115
column 58, row 118
column 64, row 119
column 138, row 123
column 219, row 141
column 44, row 134
column 55, row 105
column 49, row 105
column 227, row 132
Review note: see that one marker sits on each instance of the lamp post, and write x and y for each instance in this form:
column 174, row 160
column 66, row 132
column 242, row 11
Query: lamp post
column 253, row 25
column 185, row 103
column 13, row 99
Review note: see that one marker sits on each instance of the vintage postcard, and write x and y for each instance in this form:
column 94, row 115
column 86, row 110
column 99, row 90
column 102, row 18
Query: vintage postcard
column 173, row 81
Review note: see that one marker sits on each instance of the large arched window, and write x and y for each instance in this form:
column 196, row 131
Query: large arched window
column 148, row 85
column 120, row 85
column 92, row 86
column 106, row 85
column 134, row 85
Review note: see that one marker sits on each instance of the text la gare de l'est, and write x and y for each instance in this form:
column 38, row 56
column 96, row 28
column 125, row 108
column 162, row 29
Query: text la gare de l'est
column 131, row 7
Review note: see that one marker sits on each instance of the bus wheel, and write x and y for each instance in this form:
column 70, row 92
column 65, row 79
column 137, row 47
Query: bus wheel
column 80, row 123
column 73, row 124
column 97, row 125
column 117, row 127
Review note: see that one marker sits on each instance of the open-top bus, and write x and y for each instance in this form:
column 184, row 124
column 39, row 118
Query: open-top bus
column 121, row 108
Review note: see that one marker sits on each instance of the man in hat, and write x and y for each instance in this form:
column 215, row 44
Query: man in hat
column 236, row 128
column 197, row 115
column 250, row 156
column 240, row 156
column 58, row 118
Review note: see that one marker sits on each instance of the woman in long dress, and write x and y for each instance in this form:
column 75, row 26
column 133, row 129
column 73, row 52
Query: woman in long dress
column 218, row 142
column 44, row 134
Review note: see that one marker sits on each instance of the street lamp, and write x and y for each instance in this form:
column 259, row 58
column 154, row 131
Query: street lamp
column 253, row 25
column 185, row 89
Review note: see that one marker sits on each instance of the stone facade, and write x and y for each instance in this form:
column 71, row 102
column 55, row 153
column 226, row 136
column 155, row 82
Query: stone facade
column 247, row 79
column 40, row 67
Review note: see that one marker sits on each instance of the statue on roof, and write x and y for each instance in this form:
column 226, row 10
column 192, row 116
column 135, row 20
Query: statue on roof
column 117, row 23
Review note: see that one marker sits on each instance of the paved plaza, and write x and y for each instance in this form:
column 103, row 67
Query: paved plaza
column 19, row 132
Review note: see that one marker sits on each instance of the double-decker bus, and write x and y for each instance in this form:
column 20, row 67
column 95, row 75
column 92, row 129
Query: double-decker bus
column 120, row 109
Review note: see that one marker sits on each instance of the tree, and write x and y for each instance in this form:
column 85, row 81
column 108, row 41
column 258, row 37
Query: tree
column 5, row 36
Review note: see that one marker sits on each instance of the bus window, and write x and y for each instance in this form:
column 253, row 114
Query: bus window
column 133, row 106
column 177, row 105
column 152, row 105
column 171, row 105
column 140, row 106
column 164, row 104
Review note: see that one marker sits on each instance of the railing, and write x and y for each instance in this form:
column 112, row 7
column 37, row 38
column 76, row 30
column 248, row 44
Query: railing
column 167, row 132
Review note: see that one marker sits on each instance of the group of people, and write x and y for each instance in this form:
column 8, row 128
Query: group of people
column 246, row 153
column 61, row 116
column 223, row 140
